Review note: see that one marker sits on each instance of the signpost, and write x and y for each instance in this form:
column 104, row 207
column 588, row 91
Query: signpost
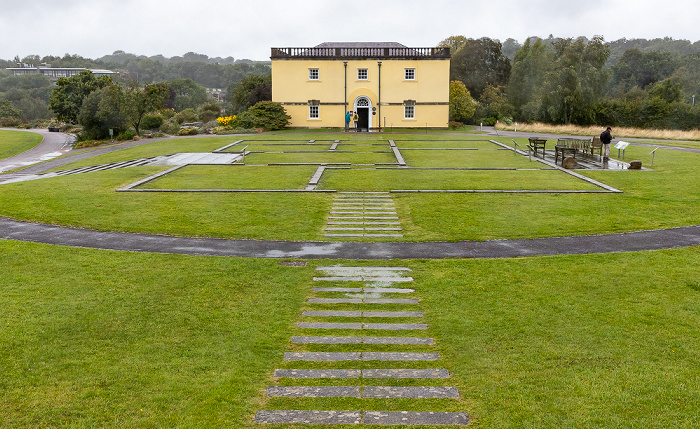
column 621, row 146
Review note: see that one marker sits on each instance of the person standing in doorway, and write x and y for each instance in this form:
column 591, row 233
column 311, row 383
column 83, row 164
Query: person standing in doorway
column 605, row 138
column 355, row 119
column 348, row 116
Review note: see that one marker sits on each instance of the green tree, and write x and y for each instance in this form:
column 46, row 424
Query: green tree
column 462, row 105
column 7, row 111
column 531, row 64
column 100, row 112
column 188, row 94
column 576, row 80
column 637, row 68
column 68, row 94
column 134, row 102
column 479, row 63
column 249, row 91
column 455, row 43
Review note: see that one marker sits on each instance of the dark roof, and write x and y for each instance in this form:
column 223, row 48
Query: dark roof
column 360, row 45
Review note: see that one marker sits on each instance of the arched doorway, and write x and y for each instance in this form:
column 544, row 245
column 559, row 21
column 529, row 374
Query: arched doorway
column 363, row 107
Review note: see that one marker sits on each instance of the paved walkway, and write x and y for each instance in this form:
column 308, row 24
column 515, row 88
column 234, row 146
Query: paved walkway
column 407, row 380
column 625, row 242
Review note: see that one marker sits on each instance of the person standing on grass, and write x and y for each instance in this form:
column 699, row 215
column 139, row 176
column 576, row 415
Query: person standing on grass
column 348, row 116
column 606, row 138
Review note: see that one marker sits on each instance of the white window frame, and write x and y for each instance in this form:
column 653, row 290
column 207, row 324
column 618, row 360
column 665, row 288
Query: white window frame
column 366, row 74
column 314, row 111
column 314, row 74
column 409, row 112
column 409, row 74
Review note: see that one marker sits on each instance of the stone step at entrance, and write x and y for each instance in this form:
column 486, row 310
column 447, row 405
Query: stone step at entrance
column 384, row 418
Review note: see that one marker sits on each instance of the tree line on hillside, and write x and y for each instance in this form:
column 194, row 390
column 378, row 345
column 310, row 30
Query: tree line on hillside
column 552, row 80
column 563, row 81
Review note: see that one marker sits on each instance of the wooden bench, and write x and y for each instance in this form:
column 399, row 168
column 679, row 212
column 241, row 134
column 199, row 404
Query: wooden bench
column 537, row 144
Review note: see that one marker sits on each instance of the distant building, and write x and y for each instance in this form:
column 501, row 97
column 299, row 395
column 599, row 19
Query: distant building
column 385, row 84
column 53, row 73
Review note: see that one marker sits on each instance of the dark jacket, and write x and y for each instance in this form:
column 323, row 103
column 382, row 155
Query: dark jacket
column 605, row 137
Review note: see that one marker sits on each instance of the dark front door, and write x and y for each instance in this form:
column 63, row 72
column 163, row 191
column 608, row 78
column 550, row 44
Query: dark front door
column 363, row 118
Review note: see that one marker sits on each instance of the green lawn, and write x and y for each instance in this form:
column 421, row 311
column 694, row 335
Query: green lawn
column 235, row 177
column 116, row 339
column 667, row 197
column 15, row 142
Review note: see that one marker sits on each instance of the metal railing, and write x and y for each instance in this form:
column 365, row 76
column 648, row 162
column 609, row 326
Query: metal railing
column 360, row 53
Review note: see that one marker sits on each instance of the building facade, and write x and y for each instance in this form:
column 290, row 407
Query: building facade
column 53, row 73
column 383, row 84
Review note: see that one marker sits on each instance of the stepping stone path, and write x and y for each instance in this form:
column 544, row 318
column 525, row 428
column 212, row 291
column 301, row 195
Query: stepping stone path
column 363, row 214
column 379, row 282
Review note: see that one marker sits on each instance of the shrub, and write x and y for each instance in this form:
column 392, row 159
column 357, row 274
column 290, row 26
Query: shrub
column 209, row 112
column 126, row 135
column 151, row 122
column 188, row 132
column 170, row 127
column 267, row 115
column 187, row 115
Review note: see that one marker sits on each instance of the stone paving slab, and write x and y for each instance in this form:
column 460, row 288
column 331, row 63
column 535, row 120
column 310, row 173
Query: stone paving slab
column 365, row 235
column 323, row 356
column 363, row 340
column 392, row 314
column 405, row 373
column 364, row 223
column 323, row 313
column 319, row 373
column 413, row 392
column 388, row 301
column 363, row 279
column 310, row 417
column 369, row 269
column 387, row 290
column 395, row 356
column 361, row 301
column 333, row 313
column 389, row 418
column 395, row 326
column 334, row 300
column 337, row 289
column 327, row 340
column 314, row 391
column 329, row 325
column 398, row 340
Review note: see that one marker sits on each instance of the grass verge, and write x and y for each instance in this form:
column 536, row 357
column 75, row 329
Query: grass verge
column 114, row 339
column 15, row 142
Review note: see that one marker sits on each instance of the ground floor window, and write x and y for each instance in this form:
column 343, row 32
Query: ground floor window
column 313, row 112
column 409, row 109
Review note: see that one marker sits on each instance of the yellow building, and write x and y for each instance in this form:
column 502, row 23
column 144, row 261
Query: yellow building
column 382, row 84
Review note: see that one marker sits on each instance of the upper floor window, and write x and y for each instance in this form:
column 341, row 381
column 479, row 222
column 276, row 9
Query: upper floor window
column 410, row 74
column 313, row 74
column 362, row 74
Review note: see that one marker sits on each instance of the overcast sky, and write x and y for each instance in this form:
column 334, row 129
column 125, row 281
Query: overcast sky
column 248, row 29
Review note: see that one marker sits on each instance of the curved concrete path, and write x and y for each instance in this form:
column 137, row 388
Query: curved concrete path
column 625, row 242
column 52, row 146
